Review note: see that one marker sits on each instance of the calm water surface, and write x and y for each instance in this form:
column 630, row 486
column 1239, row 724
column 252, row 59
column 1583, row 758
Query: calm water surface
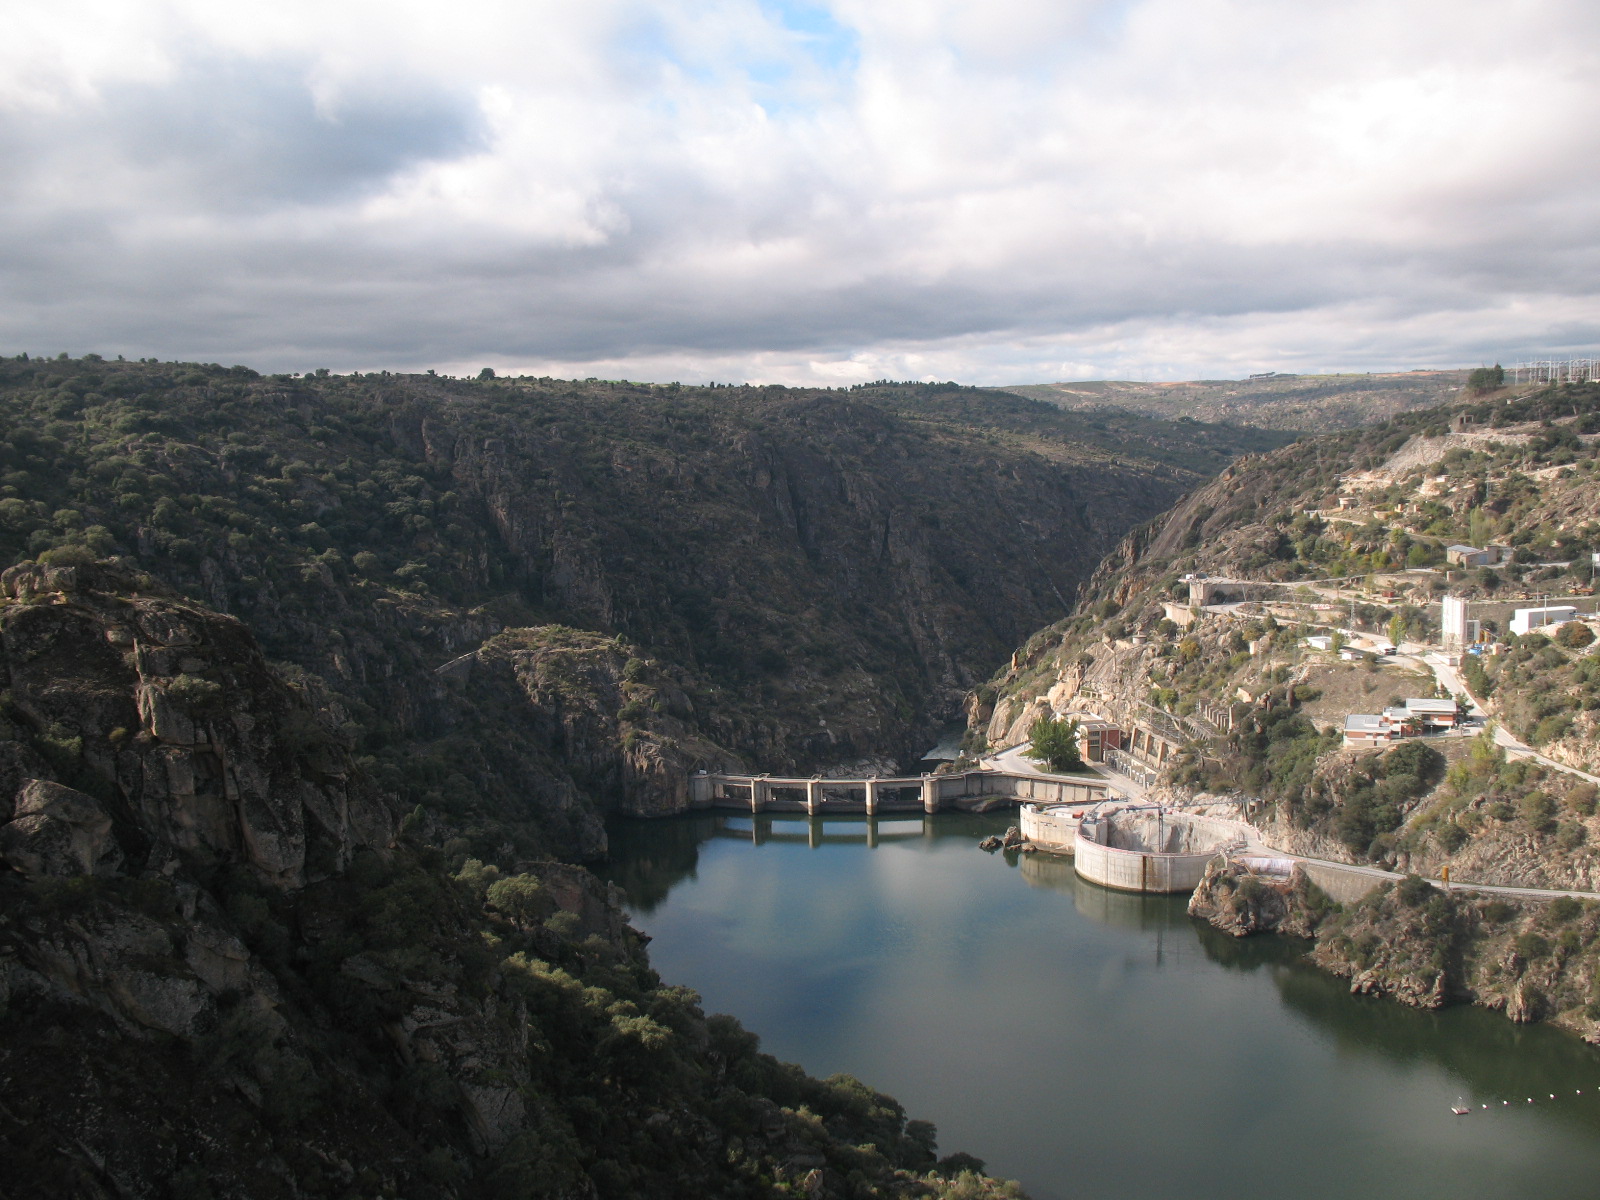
column 1091, row 1043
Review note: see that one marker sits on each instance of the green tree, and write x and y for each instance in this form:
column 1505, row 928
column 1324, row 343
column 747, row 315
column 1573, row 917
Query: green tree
column 520, row 897
column 1480, row 527
column 1486, row 379
column 1055, row 743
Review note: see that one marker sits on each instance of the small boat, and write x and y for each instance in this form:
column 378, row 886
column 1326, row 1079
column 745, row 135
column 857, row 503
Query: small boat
column 1459, row 1110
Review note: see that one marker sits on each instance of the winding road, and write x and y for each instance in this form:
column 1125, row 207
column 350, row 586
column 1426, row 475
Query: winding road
column 1424, row 658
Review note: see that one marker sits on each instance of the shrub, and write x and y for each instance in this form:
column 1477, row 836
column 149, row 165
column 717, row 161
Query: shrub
column 1581, row 799
column 1452, row 838
column 1250, row 889
column 68, row 556
column 1498, row 912
column 193, row 692
column 1530, row 946
column 1539, row 811
column 1413, row 891
column 1563, row 910
column 1552, row 729
column 1574, row 635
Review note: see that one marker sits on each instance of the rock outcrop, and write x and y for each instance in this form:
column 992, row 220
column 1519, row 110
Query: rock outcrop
column 1237, row 901
column 176, row 747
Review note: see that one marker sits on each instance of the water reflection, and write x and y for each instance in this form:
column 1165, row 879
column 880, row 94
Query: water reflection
column 1492, row 1058
column 1106, row 1046
column 650, row 857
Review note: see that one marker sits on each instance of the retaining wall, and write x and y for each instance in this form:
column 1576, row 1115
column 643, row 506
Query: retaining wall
column 1344, row 884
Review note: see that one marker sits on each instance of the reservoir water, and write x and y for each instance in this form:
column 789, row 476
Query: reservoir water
column 1092, row 1043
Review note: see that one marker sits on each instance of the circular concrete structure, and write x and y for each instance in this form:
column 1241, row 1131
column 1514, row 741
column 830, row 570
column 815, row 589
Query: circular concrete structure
column 1053, row 826
column 1148, row 850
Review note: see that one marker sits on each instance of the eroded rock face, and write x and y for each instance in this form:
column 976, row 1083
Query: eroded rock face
column 615, row 718
column 180, row 746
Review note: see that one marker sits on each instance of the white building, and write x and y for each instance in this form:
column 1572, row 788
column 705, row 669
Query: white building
column 1366, row 729
column 1456, row 630
column 1437, row 713
column 1523, row 620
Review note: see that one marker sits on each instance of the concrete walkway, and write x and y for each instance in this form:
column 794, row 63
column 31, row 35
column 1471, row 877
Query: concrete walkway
column 1256, row 847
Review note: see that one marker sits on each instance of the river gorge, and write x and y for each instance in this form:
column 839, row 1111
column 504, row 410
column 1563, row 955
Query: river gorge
column 1092, row 1043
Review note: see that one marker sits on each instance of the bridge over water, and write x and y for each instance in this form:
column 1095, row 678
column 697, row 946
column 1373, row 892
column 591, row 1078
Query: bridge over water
column 976, row 790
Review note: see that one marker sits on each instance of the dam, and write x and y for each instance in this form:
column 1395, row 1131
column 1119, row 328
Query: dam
column 1150, row 849
column 971, row 791
column 1133, row 848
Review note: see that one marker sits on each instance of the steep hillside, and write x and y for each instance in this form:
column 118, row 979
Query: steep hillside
column 1194, row 634
column 795, row 579
column 227, row 971
column 1356, row 522
column 1318, row 403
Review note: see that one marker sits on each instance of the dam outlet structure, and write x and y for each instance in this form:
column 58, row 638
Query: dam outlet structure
column 1132, row 848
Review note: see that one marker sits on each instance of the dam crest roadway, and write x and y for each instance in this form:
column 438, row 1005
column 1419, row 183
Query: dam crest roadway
column 970, row 791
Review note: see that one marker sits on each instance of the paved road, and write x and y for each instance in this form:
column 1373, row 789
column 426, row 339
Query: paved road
column 1416, row 654
column 1451, row 679
column 1014, row 761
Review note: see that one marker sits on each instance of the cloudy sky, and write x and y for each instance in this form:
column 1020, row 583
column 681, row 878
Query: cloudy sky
column 986, row 190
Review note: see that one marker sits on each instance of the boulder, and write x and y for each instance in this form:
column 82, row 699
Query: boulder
column 58, row 831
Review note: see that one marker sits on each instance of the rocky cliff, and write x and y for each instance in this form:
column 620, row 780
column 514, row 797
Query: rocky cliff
column 817, row 577
column 226, row 971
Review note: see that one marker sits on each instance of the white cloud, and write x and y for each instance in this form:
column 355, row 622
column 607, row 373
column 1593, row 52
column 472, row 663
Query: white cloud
column 798, row 192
